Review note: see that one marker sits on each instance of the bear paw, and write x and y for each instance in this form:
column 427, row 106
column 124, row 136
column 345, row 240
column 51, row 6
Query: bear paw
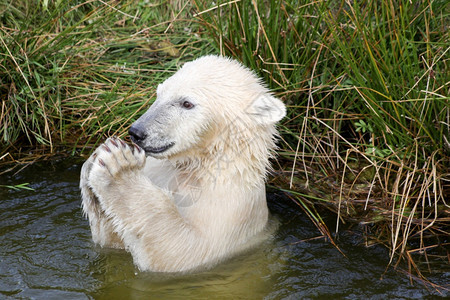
column 114, row 161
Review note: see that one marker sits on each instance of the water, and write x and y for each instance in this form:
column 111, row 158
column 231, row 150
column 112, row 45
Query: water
column 46, row 253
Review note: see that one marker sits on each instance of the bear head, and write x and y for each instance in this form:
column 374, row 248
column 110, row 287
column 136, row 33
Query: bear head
column 209, row 99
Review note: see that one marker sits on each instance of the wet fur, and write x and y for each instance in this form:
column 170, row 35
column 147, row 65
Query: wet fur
column 203, row 199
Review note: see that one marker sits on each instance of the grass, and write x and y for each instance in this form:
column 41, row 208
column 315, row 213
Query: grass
column 366, row 84
column 73, row 72
column 367, row 87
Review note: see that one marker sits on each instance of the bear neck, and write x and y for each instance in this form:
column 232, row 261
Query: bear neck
column 233, row 156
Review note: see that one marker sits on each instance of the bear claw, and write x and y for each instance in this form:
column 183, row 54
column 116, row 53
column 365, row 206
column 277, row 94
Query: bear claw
column 122, row 143
column 113, row 141
column 101, row 162
column 106, row 148
column 137, row 148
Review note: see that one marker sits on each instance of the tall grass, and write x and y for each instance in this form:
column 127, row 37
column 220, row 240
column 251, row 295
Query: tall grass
column 367, row 87
column 366, row 84
column 72, row 72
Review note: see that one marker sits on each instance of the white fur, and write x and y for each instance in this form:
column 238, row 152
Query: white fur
column 203, row 198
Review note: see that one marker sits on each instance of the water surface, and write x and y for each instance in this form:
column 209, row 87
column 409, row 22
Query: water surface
column 46, row 252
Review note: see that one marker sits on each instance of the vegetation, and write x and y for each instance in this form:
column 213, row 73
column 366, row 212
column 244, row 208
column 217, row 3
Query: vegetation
column 367, row 87
column 366, row 83
column 73, row 72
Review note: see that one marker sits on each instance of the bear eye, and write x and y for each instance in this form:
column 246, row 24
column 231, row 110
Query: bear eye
column 186, row 104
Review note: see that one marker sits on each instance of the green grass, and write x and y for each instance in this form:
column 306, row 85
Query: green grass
column 73, row 72
column 366, row 84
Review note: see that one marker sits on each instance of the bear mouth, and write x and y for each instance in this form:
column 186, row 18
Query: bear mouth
column 156, row 150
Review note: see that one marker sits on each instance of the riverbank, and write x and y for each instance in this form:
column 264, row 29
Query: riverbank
column 366, row 87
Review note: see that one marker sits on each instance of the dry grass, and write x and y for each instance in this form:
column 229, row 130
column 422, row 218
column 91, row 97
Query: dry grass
column 366, row 84
column 367, row 134
column 70, row 75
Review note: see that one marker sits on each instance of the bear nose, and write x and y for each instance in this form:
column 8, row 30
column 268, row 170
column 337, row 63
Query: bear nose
column 137, row 134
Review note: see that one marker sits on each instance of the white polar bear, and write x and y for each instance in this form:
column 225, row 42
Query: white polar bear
column 193, row 191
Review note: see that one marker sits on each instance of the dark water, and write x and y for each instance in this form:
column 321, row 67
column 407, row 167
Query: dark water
column 46, row 253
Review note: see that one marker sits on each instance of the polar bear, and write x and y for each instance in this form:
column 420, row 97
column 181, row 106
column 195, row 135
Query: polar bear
column 190, row 191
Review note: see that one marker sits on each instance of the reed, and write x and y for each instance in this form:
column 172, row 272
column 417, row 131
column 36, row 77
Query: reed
column 73, row 72
column 367, row 86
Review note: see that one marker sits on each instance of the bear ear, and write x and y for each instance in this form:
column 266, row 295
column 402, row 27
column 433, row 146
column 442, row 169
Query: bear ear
column 267, row 109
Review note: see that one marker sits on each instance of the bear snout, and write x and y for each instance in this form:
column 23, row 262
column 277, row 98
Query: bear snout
column 137, row 134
